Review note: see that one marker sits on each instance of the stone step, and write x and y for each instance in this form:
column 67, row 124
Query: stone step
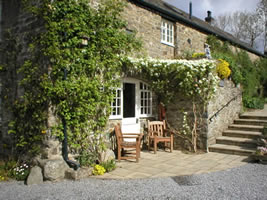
column 247, row 142
column 231, row 149
column 251, row 116
column 245, row 127
column 256, row 122
column 242, row 134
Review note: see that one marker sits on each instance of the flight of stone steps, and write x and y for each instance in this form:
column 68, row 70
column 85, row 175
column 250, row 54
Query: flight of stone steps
column 241, row 137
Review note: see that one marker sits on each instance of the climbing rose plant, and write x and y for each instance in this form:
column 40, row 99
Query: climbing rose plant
column 196, row 79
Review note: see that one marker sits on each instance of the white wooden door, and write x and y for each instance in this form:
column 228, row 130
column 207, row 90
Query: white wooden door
column 130, row 116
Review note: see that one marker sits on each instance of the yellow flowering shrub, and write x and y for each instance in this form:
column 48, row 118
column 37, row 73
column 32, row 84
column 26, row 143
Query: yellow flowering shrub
column 223, row 69
column 2, row 178
column 98, row 170
column 198, row 55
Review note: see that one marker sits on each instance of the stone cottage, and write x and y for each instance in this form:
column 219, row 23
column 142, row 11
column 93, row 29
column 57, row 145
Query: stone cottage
column 167, row 33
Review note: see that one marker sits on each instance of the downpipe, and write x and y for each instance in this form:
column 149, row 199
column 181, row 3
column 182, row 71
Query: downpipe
column 72, row 164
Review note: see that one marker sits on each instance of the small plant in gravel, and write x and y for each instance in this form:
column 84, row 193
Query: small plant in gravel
column 261, row 151
column 2, row 178
column 6, row 169
column 98, row 170
column 109, row 165
column 21, row 172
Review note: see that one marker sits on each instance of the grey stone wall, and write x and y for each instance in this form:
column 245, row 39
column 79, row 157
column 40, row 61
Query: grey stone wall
column 22, row 27
column 147, row 24
column 228, row 99
column 189, row 40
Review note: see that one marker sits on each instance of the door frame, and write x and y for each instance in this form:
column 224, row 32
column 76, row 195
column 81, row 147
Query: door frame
column 138, row 99
column 133, row 122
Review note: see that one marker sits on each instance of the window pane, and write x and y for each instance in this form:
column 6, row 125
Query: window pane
column 116, row 103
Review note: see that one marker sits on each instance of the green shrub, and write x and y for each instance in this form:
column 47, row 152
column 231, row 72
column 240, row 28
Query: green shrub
column 109, row 165
column 253, row 102
column 87, row 159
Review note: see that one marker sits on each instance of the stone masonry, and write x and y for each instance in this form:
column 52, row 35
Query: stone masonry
column 147, row 25
column 223, row 109
column 220, row 112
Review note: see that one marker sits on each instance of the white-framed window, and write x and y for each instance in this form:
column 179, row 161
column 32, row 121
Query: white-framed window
column 116, row 105
column 167, row 32
column 145, row 100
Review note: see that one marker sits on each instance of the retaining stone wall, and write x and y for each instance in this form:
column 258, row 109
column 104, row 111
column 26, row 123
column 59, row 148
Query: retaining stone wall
column 229, row 95
column 229, row 99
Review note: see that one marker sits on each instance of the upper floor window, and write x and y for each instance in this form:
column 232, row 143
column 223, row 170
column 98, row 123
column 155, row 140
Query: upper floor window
column 167, row 32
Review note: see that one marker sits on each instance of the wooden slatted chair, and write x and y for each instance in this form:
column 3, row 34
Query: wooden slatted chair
column 124, row 145
column 157, row 132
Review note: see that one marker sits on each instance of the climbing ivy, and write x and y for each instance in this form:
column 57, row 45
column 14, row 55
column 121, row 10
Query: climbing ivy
column 73, row 68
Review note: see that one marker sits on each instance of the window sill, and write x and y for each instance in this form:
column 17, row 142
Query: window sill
column 168, row 44
column 146, row 116
column 115, row 118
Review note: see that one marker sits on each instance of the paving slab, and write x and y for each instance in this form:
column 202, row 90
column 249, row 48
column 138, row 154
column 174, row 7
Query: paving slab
column 165, row 164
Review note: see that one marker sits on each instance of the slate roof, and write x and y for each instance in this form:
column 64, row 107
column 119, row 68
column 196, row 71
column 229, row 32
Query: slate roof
column 175, row 14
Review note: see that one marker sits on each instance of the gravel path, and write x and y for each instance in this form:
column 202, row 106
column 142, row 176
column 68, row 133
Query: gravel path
column 246, row 182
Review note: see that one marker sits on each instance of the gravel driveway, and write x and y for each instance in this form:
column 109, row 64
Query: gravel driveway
column 246, row 182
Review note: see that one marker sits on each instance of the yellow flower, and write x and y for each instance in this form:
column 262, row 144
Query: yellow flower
column 43, row 131
column 98, row 170
column 198, row 55
column 223, row 69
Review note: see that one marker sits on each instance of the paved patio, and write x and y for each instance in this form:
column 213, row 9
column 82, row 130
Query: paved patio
column 164, row 164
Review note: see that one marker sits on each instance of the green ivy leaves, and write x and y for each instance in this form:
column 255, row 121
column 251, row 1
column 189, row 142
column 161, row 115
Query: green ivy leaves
column 84, row 93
